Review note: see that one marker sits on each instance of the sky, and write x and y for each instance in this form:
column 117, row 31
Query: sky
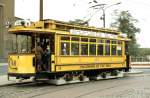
column 66, row 10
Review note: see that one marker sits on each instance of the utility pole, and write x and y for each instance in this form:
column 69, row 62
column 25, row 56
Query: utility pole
column 41, row 10
column 103, row 7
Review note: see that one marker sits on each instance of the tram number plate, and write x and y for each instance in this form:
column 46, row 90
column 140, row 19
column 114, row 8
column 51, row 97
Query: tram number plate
column 95, row 66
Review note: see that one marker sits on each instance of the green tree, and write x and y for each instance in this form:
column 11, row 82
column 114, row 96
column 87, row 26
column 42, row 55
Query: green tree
column 143, row 52
column 78, row 21
column 125, row 23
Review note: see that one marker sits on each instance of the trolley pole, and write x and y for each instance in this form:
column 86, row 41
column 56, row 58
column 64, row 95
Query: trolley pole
column 41, row 10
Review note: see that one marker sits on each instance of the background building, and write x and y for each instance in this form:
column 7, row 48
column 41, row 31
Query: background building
column 6, row 17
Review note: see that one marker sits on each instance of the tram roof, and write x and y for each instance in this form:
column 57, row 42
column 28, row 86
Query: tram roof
column 54, row 26
column 80, row 26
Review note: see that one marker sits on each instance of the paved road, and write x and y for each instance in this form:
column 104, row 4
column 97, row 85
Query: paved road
column 129, row 87
column 137, row 86
column 3, row 70
column 146, row 71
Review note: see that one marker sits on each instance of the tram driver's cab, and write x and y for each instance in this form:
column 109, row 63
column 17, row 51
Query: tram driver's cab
column 23, row 61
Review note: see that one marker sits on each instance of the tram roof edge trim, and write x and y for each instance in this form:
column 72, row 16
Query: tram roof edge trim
column 125, row 39
column 28, row 30
column 79, row 26
column 54, row 26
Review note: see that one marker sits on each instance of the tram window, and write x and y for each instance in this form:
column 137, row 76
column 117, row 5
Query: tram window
column 14, row 45
column 107, row 41
column 74, row 39
column 92, row 49
column 107, row 49
column 113, row 41
column 119, row 50
column 74, row 48
column 113, row 50
column 23, row 44
column 100, row 49
column 65, row 47
column 120, row 42
column 101, row 41
column 126, row 48
column 92, row 40
column 84, row 49
column 65, row 38
column 84, row 39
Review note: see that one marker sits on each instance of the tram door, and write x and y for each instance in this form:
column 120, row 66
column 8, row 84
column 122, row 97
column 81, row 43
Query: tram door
column 127, row 57
column 46, row 43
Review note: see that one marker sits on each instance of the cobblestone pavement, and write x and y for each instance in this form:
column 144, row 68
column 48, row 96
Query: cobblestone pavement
column 130, row 93
column 138, row 89
column 128, row 87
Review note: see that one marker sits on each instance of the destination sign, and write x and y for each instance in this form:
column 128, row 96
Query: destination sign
column 91, row 33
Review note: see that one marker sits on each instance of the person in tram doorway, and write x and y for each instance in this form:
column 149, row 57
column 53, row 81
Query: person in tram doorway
column 38, row 54
column 46, row 58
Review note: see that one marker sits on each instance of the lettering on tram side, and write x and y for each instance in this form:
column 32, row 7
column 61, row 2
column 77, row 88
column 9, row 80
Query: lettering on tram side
column 12, row 63
column 91, row 33
column 95, row 66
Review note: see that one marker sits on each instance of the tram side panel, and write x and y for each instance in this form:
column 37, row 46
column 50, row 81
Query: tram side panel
column 21, row 65
column 67, row 63
column 74, row 63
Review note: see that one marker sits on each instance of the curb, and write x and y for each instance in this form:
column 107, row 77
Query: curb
column 132, row 73
column 140, row 67
column 12, row 81
column 3, row 64
column 4, row 81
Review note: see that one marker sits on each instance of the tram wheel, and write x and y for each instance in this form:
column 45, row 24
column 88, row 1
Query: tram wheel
column 103, row 74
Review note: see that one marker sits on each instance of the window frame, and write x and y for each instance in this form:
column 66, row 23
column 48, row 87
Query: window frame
column 64, row 41
column 88, row 41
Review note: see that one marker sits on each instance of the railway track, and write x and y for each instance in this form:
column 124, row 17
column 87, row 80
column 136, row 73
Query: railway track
column 102, row 89
column 93, row 84
column 32, row 90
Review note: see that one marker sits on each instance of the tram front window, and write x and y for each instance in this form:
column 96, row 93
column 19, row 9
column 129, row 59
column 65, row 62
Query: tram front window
column 22, row 44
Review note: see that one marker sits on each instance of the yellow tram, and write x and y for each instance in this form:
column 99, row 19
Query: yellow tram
column 77, row 53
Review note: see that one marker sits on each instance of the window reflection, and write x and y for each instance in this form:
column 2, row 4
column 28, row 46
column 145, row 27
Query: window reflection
column 113, row 50
column 84, row 49
column 100, row 49
column 74, row 48
column 107, row 49
column 65, row 48
column 92, row 49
